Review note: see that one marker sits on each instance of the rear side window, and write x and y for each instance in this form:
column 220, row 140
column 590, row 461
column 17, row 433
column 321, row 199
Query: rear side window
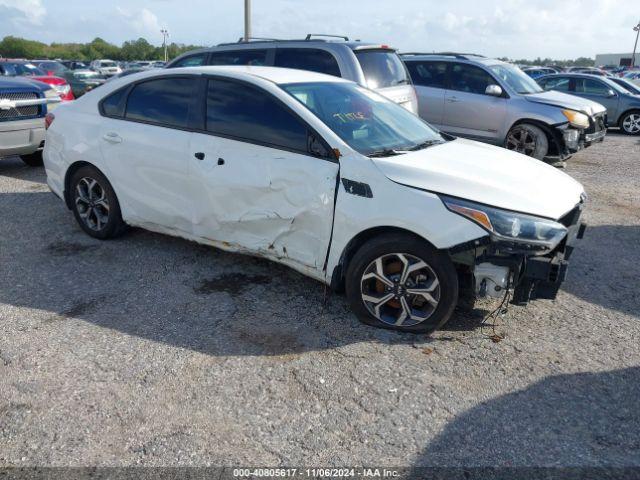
column 591, row 87
column 470, row 79
column 191, row 61
column 560, row 84
column 164, row 101
column 382, row 68
column 248, row 113
column 428, row 74
column 239, row 57
column 113, row 105
column 312, row 59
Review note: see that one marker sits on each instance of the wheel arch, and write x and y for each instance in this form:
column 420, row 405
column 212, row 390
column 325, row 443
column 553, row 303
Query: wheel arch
column 553, row 136
column 73, row 168
column 339, row 271
column 626, row 112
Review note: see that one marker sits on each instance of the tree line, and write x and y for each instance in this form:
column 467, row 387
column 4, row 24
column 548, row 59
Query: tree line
column 140, row 49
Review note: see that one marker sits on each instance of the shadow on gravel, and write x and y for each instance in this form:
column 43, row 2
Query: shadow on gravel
column 170, row 290
column 604, row 270
column 13, row 167
column 585, row 419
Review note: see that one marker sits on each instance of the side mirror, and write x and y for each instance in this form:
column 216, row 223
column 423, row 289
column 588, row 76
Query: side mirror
column 611, row 93
column 493, row 90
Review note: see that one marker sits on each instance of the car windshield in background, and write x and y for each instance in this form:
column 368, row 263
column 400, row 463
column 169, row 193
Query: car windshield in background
column 107, row 64
column 516, row 79
column 22, row 70
column 382, row 68
column 366, row 121
column 53, row 67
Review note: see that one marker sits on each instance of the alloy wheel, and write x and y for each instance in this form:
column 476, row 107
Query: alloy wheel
column 631, row 123
column 92, row 203
column 400, row 289
column 522, row 140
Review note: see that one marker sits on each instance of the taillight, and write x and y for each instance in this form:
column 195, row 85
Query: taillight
column 48, row 120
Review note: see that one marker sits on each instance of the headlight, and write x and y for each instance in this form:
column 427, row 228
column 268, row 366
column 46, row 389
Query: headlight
column 576, row 119
column 536, row 233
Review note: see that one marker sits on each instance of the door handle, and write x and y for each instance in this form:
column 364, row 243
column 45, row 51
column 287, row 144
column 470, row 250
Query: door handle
column 112, row 137
column 452, row 99
column 220, row 161
column 199, row 155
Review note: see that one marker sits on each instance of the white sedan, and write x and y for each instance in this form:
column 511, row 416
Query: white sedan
column 322, row 175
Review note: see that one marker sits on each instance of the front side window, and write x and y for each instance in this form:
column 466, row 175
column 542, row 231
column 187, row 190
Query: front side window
column 163, row 101
column 517, row 80
column 312, row 59
column 365, row 120
column 239, row 57
column 248, row 113
column 428, row 74
column 470, row 79
column 192, row 61
column 382, row 68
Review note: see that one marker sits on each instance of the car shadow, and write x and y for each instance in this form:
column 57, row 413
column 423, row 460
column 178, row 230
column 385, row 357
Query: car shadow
column 170, row 290
column 582, row 420
column 13, row 167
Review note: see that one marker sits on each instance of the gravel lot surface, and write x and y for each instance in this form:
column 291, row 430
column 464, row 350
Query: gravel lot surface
column 150, row 350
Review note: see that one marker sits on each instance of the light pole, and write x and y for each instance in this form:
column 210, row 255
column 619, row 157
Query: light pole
column 247, row 20
column 165, row 35
column 635, row 46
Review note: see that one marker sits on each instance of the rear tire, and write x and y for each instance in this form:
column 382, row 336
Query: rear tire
column 416, row 291
column 630, row 123
column 95, row 205
column 529, row 140
column 33, row 159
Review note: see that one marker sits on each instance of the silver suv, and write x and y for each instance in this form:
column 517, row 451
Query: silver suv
column 495, row 102
column 375, row 66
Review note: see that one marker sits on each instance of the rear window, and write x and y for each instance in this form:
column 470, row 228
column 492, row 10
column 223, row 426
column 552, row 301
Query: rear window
column 382, row 68
column 239, row 57
column 312, row 59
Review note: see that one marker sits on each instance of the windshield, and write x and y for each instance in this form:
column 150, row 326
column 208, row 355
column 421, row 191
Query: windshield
column 517, row 80
column 22, row 70
column 107, row 64
column 382, row 68
column 366, row 121
column 53, row 67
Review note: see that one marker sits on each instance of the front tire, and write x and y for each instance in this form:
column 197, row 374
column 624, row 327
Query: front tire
column 95, row 205
column 33, row 159
column 630, row 123
column 529, row 140
column 400, row 282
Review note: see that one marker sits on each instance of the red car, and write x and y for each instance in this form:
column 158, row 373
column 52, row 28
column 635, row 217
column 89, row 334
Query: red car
column 13, row 68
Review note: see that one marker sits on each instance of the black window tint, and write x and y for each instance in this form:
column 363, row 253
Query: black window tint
column 382, row 68
column 192, row 61
column 311, row 59
column 163, row 101
column 112, row 105
column 239, row 57
column 428, row 74
column 467, row 78
column 245, row 112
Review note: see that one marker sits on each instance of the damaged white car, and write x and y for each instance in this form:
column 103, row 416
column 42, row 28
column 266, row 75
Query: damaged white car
column 319, row 174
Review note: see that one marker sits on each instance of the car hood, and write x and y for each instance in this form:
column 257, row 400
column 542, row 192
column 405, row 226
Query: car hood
column 486, row 174
column 564, row 100
column 22, row 83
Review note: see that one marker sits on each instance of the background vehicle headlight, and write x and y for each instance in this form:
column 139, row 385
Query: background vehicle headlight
column 510, row 226
column 576, row 119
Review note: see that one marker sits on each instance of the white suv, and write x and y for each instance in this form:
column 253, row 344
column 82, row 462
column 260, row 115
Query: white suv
column 108, row 68
column 320, row 174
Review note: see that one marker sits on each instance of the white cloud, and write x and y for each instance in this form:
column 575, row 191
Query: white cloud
column 142, row 21
column 21, row 12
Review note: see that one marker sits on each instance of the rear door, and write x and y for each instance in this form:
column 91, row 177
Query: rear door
column 468, row 110
column 256, row 186
column 384, row 72
column 429, row 80
column 145, row 144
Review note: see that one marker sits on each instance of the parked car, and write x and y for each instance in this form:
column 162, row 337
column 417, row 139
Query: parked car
column 623, row 108
column 127, row 72
column 535, row 72
column 74, row 65
column 627, row 85
column 320, row 174
column 81, row 81
column 372, row 65
column 589, row 71
column 158, row 64
column 23, row 111
column 495, row 102
column 633, row 76
column 108, row 68
column 28, row 69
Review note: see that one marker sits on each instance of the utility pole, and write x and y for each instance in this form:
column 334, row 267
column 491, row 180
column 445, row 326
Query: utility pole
column 247, row 20
column 635, row 46
column 165, row 35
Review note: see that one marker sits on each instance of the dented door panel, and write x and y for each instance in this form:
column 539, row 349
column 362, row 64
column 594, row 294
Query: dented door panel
column 267, row 201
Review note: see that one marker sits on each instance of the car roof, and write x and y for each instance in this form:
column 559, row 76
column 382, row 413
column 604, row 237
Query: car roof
column 470, row 58
column 576, row 75
column 273, row 74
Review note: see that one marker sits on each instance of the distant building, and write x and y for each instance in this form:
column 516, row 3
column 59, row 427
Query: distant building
column 617, row 59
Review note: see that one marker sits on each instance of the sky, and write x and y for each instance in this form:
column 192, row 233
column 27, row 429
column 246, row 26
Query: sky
column 560, row 29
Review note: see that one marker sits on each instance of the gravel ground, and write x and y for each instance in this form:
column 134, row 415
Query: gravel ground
column 149, row 350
